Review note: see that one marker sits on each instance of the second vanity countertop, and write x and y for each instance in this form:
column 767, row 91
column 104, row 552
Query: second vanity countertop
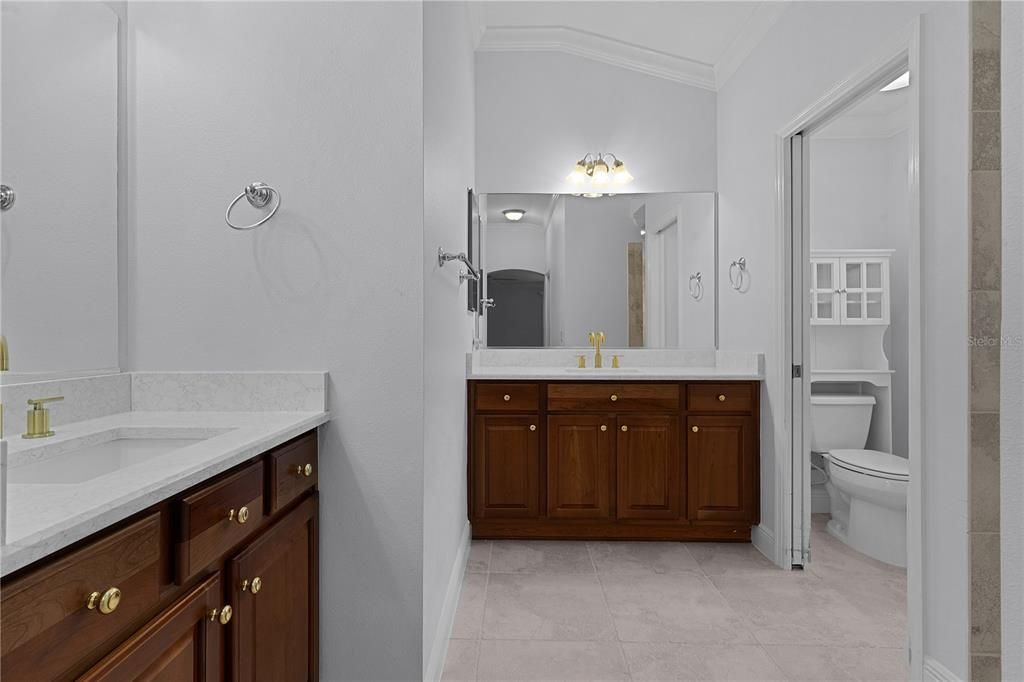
column 559, row 364
column 45, row 517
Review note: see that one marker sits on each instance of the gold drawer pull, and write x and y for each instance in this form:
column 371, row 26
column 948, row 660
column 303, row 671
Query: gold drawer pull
column 695, row 429
column 614, row 397
column 241, row 516
column 533, row 427
column 106, row 602
column 223, row 613
column 306, row 471
column 721, row 397
column 625, row 428
column 507, row 397
column 254, row 585
column 604, row 427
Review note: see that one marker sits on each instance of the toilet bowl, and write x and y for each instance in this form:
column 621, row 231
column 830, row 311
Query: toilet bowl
column 867, row 489
column 868, row 498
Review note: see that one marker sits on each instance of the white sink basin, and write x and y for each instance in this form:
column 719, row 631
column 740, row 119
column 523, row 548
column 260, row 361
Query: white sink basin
column 117, row 449
column 602, row 370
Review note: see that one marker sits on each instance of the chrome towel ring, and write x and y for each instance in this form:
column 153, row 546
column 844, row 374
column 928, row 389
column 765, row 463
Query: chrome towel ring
column 258, row 195
column 696, row 286
column 737, row 273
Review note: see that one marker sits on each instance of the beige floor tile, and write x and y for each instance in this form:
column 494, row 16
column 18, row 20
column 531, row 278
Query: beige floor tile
column 682, row 607
column 519, row 660
column 800, row 608
column 460, row 664
column 728, row 558
column 831, row 557
column 662, row 661
column 546, row 606
column 469, row 615
column 479, row 557
column 540, row 557
column 641, row 558
column 836, row 663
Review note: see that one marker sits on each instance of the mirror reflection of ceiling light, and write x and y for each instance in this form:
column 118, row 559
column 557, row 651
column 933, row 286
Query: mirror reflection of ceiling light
column 902, row 81
column 600, row 169
column 513, row 214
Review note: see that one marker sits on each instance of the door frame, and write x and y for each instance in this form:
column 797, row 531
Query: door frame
column 792, row 504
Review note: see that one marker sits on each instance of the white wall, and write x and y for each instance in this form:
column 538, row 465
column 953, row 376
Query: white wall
column 539, row 112
column 448, row 328
column 59, row 240
column 519, row 246
column 225, row 95
column 859, row 200
column 1012, row 358
column 812, row 48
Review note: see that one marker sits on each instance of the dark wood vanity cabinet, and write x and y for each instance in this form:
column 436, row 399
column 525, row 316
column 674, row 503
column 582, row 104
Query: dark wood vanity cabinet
column 614, row 460
column 193, row 588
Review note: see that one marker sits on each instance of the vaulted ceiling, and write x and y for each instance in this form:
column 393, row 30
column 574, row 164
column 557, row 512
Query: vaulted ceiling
column 699, row 43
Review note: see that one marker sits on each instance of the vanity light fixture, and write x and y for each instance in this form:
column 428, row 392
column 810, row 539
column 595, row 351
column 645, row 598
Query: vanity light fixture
column 513, row 214
column 902, row 81
column 600, row 169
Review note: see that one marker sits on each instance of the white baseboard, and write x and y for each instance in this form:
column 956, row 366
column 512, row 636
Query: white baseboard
column 764, row 542
column 936, row 672
column 439, row 651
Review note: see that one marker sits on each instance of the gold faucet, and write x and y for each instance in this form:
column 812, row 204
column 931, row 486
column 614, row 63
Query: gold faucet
column 38, row 418
column 5, row 357
column 596, row 339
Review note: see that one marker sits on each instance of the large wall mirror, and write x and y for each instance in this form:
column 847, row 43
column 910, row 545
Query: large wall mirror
column 639, row 267
column 58, row 239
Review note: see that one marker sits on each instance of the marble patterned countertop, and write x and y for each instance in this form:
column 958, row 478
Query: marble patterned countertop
column 637, row 365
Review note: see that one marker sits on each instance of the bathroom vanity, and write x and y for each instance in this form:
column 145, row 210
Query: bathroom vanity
column 652, row 459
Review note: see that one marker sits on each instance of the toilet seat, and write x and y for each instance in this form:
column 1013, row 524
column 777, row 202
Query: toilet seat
column 872, row 463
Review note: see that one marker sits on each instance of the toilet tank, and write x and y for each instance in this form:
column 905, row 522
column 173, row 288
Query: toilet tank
column 840, row 422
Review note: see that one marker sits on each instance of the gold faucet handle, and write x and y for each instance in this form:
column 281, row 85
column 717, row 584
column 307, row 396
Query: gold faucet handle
column 38, row 403
column 615, row 361
column 581, row 361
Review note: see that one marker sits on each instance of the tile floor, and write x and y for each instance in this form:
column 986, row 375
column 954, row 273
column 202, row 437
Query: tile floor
column 676, row 611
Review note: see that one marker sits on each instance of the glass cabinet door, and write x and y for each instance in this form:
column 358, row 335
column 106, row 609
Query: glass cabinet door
column 863, row 291
column 825, row 291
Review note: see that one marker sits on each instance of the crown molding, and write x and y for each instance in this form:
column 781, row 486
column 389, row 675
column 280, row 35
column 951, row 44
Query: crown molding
column 753, row 32
column 598, row 48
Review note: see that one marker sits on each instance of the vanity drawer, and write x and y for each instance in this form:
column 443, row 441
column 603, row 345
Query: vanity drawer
column 216, row 518
column 613, row 397
column 48, row 627
column 508, row 397
column 293, row 470
column 738, row 397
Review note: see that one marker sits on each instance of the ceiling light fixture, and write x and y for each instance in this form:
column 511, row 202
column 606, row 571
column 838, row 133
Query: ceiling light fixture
column 601, row 170
column 513, row 214
column 902, row 81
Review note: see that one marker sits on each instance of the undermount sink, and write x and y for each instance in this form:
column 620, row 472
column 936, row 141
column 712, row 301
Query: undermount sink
column 117, row 449
column 611, row 370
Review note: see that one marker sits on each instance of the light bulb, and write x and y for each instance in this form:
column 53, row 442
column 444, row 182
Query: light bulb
column 600, row 173
column 621, row 176
column 578, row 174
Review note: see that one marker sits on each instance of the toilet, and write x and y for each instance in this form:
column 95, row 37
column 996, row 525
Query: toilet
column 867, row 489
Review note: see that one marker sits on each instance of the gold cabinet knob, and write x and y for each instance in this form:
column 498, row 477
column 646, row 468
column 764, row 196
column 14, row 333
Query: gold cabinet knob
column 241, row 516
column 222, row 614
column 695, row 429
column 506, row 397
column 625, row 428
column 604, row 427
column 106, row 603
column 721, row 397
column 254, row 585
column 614, row 397
column 533, row 427
column 306, row 471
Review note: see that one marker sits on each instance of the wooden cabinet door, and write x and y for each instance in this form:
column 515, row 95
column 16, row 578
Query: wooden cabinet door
column 648, row 464
column 721, row 454
column 506, row 467
column 185, row 642
column 274, row 593
column 580, row 466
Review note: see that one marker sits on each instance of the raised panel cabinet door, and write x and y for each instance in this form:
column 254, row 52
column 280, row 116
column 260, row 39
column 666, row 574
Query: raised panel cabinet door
column 648, row 465
column 580, row 462
column 721, row 455
column 273, row 590
column 185, row 642
column 506, row 467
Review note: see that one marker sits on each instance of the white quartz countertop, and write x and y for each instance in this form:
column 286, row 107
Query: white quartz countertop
column 637, row 364
column 43, row 518
column 607, row 374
